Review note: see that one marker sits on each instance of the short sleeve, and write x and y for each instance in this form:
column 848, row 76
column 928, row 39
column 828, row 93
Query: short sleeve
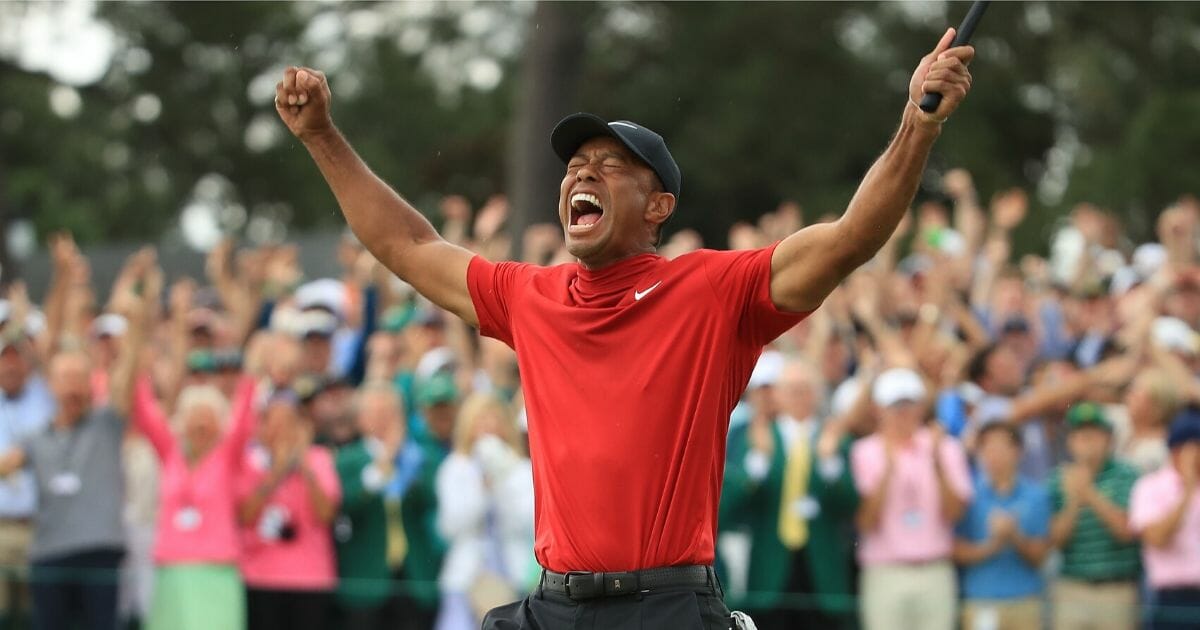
column 954, row 465
column 1146, row 506
column 493, row 286
column 742, row 280
column 866, row 469
column 1126, row 477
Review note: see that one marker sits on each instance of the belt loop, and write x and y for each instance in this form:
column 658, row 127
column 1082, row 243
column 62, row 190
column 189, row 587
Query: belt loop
column 541, row 587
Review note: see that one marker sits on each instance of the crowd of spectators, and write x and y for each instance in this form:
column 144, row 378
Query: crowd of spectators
column 958, row 439
column 953, row 438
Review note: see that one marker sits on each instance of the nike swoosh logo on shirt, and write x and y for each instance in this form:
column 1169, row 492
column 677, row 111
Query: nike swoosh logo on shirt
column 637, row 295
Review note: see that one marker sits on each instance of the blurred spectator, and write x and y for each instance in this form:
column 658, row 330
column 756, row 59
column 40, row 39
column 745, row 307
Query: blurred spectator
column 831, row 528
column 26, row 408
column 1165, row 512
column 1003, row 538
column 997, row 371
column 366, row 464
column 1150, row 403
column 196, row 548
column 289, row 498
column 78, row 538
column 914, row 485
column 1097, row 584
column 485, row 514
column 437, row 400
column 765, row 491
column 779, row 505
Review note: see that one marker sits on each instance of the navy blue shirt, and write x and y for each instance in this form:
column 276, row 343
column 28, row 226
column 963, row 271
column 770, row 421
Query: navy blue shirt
column 1005, row 575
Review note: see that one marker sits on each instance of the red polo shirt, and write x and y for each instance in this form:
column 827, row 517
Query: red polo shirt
column 630, row 373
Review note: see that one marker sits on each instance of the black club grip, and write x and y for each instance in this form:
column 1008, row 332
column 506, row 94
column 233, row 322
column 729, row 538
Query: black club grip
column 931, row 100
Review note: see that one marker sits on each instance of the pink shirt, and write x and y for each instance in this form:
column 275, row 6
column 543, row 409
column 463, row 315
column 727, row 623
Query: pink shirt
column 270, row 559
column 911, row 528
column 197, row 514
column 1154, row 496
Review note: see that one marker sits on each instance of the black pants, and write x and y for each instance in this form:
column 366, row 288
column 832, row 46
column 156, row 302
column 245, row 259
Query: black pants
column 76, row 591
column 668, row 609
column 798, row 610
column 270, row 609
column 405, row 612
column 1176, row 609
column 367, row 618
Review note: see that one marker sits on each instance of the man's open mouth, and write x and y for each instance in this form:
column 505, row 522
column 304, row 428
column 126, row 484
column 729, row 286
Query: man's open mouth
column 586, row 212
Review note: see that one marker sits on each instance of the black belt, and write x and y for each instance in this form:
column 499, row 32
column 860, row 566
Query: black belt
column 580, row 585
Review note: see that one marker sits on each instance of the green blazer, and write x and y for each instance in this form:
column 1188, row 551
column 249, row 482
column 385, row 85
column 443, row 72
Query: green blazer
column 360, row 533
column 418, row 512
column 753, row 506
column 831, row 538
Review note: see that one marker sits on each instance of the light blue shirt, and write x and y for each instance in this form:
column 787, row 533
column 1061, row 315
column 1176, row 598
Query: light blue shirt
column 1005, row 575
column 22, row 417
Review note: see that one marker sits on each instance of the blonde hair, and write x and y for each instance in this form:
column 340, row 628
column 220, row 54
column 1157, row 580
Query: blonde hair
column 472, row 409
column 195, row 396
column 1162, row 390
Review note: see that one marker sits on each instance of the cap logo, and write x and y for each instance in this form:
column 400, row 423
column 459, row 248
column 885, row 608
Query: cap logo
column 623, row 124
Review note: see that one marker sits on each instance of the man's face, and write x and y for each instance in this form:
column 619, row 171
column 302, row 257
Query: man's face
column 379, row 416
column 332, row 413
column 1089, row 444
column 1004, row 371
column 998, row 454
column 902, row 419
column 763, row 401
column 14, row 369
column 794, row 393
column 604, row 171
column 439, row 418
column 70, row 380
column 315, row 352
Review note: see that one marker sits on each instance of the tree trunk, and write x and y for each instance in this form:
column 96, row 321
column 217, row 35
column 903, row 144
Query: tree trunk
column 548, row 90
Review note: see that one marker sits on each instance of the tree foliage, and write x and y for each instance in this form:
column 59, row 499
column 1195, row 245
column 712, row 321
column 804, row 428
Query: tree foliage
column 760, row 102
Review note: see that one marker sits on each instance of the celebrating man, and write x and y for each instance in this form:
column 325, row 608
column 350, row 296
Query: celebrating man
column 631, row 363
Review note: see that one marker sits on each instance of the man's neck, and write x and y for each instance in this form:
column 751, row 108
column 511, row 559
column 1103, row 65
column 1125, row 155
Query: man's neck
column 64, row 422
column 608, row 261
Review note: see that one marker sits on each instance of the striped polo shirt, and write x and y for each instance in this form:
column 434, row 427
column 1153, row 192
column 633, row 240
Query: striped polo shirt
column 1093, row 554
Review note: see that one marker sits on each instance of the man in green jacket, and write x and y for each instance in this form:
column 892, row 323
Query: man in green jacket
column 365, row 466
column 766, row 492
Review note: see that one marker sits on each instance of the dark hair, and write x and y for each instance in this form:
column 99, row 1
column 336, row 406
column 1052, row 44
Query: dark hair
column 978, row 365
column 1006, row 428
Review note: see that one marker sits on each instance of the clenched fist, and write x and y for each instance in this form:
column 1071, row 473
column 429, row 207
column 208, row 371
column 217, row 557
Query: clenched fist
column 302, row 99
column 944, row 71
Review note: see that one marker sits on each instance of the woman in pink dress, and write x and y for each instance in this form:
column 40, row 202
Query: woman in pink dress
column 196, row 550
column 289, row 495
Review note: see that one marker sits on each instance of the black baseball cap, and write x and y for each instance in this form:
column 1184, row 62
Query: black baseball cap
column 571, row 132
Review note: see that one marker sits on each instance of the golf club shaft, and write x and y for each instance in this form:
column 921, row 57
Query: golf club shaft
column 931, row 101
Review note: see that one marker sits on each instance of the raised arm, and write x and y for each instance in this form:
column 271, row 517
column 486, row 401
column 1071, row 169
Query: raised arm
column 807, row 265
column 138, row 307
column 394, row 232
column 149, row 418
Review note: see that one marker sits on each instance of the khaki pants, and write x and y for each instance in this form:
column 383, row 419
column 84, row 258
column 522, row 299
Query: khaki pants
column 908, row 597
column 1002, row 614
column 1082, row 605
column 15, row 538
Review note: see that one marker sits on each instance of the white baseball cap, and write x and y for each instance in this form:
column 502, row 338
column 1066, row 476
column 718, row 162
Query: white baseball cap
column 768, row 369
column 326, row 293
column 898, row 385
column 1173, row 334
column 109, row 325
